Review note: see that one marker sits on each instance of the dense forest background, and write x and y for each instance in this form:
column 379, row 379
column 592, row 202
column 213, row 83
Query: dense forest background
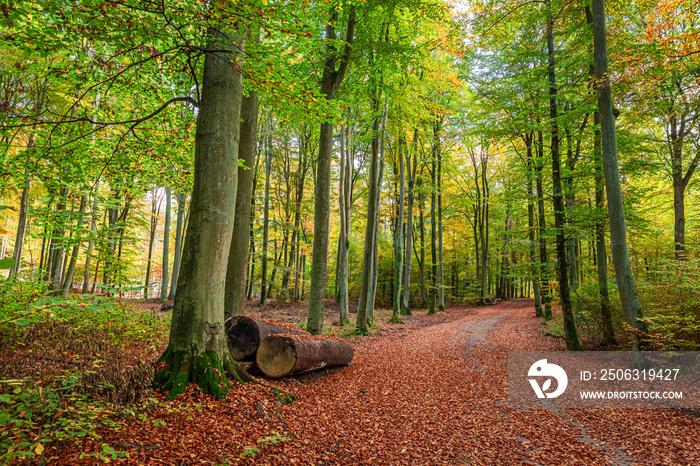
column 442, row 174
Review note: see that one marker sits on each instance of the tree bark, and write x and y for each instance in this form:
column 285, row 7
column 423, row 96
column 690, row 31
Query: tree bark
column 333, row 73
column 68, row 280
column 91, row 242
column 398, row 235
column 572, row 340
column 373, row 193
column 616, row 212
column 197, row 349
column 266, row 211
column 237, row 268
column 280, row 355
column 406, row 305
column 181, row 201
column 244, row 334
column 534, row 266
column 166, row 245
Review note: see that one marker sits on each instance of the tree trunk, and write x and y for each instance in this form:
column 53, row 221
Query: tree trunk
column 423, row 290
column 266, row 211
column 370, row 236
column 334, row 68
column 544, row 267
column 616, row 212
column 280, row 355
column 406, row 305
column 601, row 254
column 91, row 243
column 155, row 212
column 398, row 236
column 68, row 280
column 181, row 201
column 244, row 334
column 534, row 267
column 344, row 201
column 57, row 236
column 197, row 349
column 441, row 274
column 572, row 341
column 237, row 268
column 375, row 254
column 166, row 245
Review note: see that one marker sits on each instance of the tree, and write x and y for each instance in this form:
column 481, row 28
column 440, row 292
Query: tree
column 197, row 350
column 572, row 341
column 616, row 212
column 334, row 68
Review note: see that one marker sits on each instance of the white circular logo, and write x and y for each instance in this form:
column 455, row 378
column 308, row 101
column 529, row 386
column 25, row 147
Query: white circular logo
column 543, row 369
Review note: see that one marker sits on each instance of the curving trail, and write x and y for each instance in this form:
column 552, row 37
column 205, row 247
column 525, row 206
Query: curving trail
column 432, row 391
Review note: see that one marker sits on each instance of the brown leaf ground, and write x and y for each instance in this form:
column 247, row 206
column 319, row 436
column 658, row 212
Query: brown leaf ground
column 428, row 392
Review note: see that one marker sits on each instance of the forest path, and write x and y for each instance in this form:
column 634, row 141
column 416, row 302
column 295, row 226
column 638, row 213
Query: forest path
column 434, row 392
column 428, row 392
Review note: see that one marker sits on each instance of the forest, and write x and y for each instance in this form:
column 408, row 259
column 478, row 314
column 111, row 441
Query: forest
column 356, row 167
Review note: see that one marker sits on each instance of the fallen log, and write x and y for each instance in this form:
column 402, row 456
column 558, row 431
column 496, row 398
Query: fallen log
column 245, row 333
column 280, row 355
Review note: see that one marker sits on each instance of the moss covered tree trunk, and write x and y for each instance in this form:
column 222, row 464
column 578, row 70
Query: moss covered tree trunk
column 197, row 350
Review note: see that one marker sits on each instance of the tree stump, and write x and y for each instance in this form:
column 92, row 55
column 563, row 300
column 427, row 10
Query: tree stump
column 245, row 333
column 280, row 355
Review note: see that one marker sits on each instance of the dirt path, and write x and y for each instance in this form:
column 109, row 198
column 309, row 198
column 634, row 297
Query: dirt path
column 436, row 395
column 432, row 391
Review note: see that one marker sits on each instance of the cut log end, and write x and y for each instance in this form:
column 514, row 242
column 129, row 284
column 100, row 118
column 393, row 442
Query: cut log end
column 243, row 337
column 280, row 355
column 277, row 355
column 245, row 333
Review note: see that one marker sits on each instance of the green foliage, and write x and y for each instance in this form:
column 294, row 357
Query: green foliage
column 17, row 295
column 283, row 397
column 34, row 414
column 671, row 299
column 269, row 440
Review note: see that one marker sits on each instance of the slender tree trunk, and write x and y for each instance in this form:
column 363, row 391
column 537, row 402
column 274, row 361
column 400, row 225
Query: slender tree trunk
column 155, row 212
column 616, row 212
column 544, row 267
column 242, row 230
column 398, row 235
column 572, row 341
column 601, row 254
column 375, row 254
column 181, row 201
column 534, row 267
column 372, row 225
column 345, row 198
column 330, row 84
column 433, row 226
column 266, row 211
column 423, row 286
column 441, row 274
column 91, row 242
column 406, row 305
column 166, row 245
column 68, row 280
column 484, row 232
column 57, row 236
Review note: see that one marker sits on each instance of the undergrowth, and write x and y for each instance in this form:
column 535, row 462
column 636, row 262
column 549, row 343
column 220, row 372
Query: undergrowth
column 669, row 293
column 70, row 367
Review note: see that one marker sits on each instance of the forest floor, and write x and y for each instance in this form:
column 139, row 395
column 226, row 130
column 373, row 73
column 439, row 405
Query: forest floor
column 429, row 391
